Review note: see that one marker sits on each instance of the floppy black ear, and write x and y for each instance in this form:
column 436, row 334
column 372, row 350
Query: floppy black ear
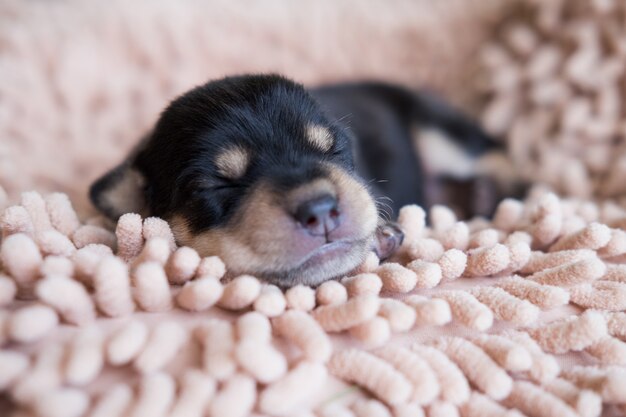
column 120, row 191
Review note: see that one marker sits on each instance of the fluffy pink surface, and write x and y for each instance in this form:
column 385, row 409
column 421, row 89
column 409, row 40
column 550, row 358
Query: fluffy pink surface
column 520, row 316
column 83, row 81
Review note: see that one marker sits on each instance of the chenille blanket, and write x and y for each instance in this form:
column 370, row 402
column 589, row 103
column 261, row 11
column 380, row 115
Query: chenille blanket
column 523, row 314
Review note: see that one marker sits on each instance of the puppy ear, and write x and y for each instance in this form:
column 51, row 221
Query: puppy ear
column 120, row 191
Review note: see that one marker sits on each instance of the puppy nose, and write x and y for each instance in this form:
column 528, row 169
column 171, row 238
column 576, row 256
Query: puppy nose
column 319, row 216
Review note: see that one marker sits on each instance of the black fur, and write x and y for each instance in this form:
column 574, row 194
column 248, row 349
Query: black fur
column 382, row 118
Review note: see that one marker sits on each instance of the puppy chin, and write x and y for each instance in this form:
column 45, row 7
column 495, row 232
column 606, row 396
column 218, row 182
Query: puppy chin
column 330, row 261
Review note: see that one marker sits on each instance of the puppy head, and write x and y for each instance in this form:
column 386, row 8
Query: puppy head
column 250, row 169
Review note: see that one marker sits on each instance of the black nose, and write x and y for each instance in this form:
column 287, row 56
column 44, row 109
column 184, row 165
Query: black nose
column 319, row 216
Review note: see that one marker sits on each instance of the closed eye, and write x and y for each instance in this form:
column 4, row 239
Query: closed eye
column 341, row 153
column 338, row 149
column 215, row 184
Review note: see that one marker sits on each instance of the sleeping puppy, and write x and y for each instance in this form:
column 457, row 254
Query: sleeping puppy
column 282, row 182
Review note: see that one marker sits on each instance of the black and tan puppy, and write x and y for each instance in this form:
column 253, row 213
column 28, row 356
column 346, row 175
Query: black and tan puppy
column 261, row 172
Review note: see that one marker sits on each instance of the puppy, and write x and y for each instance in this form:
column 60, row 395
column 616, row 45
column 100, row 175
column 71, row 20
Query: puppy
column 281, row 182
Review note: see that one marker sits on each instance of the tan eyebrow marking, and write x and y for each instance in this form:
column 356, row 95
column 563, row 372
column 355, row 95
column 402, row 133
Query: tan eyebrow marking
column 320, row 137
column 233, row 162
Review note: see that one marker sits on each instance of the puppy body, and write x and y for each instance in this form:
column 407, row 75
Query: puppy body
column 418, row 149
column 261, row 172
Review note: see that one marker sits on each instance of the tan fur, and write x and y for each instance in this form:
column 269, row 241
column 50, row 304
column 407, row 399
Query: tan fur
column 308, row 192
column 124, row 196
column 233, row 162
column 498, row 166
column 319, row 137
column 263, row 239
column 441, row 156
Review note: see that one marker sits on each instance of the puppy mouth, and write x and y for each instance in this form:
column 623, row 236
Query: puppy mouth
column 328, row 251
column 328, row 261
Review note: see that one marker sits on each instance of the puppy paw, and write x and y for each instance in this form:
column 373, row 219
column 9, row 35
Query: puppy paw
column 389, row 237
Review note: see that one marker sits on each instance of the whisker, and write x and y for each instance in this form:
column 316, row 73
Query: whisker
column 342, row 118
column 384, row 208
